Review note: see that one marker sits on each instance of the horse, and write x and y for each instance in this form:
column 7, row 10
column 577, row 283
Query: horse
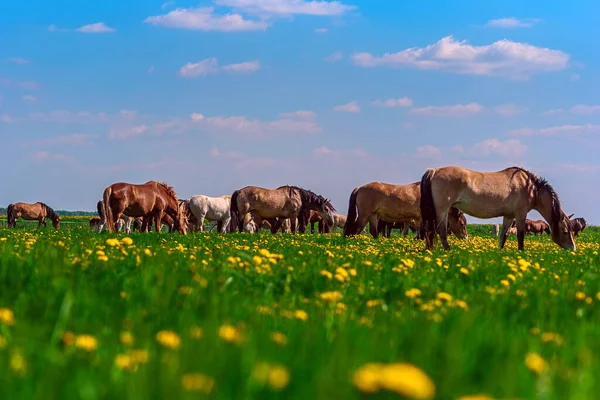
column 283, row 202
column 536, row 227
column 94, row 222
column 510, row 193
column 211, row 208
column 386, row 227
column 146, row 223
column 138, row 200
column 376, row 201
column 338, row 222
column 577, row 225
column 123, row 221
column 31, row 212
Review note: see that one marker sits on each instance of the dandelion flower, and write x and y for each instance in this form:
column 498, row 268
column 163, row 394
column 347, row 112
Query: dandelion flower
column 168, row 339
column 536, row 363
column 197, row 382
column 86, row 342
column 7, row 317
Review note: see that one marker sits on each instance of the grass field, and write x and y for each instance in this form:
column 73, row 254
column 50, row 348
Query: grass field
column 88, row 316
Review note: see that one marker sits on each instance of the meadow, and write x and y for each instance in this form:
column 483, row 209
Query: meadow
column 88, row 316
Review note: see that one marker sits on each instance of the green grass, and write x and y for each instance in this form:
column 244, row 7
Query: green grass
column 58, row 289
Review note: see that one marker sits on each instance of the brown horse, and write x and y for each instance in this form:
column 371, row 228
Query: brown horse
column 385, row 228
column 577, row 225
column 510, row 193
column 146, row 223
column 31, row 212
column 283, row 202
column 338, row 222
column 376, row 201
column 536, row 227
column 94, row 222
column 139, row 200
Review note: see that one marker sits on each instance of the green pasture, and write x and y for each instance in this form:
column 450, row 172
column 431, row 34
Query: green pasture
column 239, row 316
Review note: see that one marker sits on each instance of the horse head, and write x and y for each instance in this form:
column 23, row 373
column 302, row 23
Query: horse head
column 457, row 222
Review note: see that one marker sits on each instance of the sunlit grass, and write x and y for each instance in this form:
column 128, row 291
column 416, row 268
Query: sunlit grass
column 84, row 315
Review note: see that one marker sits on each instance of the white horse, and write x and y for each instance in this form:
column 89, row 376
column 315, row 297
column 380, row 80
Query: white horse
column 214, row 209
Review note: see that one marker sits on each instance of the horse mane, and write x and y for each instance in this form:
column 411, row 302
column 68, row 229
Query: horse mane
column 169, row 189
column 541, row 185
column 51, row 213
column 308, row 196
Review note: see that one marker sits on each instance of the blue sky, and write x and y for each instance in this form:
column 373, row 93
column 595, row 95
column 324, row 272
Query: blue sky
column 215, row 95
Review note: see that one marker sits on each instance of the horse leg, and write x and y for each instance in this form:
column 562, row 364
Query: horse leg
column 201, row 222
column 443, row 231
column 293, row 224
column 373, row 226
column 157, row 219
column 506, row 223
column 225, row 225
column 276, row 225
column 521, row 233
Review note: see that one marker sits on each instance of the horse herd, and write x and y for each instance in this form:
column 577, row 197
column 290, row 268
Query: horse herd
column 436, row 204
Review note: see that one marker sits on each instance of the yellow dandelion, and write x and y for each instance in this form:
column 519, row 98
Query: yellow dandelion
column 197, row 382
column 331, row 296
column 536, row 363
column 476, row 397
column 7, row 317
column 229, row 333
column 413, row 293
column 123, row 361
column 407, row 380
column 279, row 377
column 168, row 339
column 326, row 274
column 444, row 296
column 366, row 378
column 580, row 296
column 301, row 315
column 86, row 342
column 279, row 338
column 112, row 242
column 127, row 241
column 126, row 338
column 464, row 271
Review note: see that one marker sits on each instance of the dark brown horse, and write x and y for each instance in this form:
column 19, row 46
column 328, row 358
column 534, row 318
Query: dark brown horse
column 536, row 227
column 139, row 200
column 376, row 201
column 31, row 212
column 385, row 228
column 94, row 222
column 253, row 202
column 577, row 225
column 510, row 193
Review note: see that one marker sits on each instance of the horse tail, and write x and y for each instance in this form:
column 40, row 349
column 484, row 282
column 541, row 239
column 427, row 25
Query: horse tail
column 9, row 214
column 108, row 214
column 427, row 206
column 350, row 225
column 233, row 210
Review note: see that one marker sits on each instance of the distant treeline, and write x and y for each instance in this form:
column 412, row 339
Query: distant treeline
column 63, row 212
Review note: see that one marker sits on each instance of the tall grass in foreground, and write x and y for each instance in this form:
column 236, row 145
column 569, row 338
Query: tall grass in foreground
column 88, row 316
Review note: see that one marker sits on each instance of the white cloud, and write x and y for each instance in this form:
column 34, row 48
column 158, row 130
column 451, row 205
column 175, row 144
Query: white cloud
column 555, row 130
column 585, row 109
column 43, row 155
column 99, row 27
column 121, row 133
column 77, row 139
column 18, row 60
column 167, row 4
column 429, row 151
column 287, row 7
column 29, row 99
column 509, row 148
column 399, row 102
column 458, row 110
column 201, row 68
column 509, row 110
column 502, row 58
column 203, row 18
column 327, row 152
column 335, row 56
column 6, row 119
column 512, row 22
column 321, row 30
column 351, row 107
column 248, row 66
column 211, row 66
column 289, row 124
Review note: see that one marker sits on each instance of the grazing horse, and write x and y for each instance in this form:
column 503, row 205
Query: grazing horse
column 138, row 200
column 211, row 208
column 577, row 225
column 146, row 223
column 510, row 193
column 31, row 212
column 376, row 201
column 123, row 221
column 536, row 227
column 283, row 202
column 338, row 222
column 385, row 228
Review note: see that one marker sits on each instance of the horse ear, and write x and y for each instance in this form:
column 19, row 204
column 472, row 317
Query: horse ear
column 570, row 216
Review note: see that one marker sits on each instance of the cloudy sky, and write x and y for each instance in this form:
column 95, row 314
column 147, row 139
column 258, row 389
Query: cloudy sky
column 215, row 95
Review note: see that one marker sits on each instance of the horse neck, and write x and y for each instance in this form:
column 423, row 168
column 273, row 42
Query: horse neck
column 543, row 205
